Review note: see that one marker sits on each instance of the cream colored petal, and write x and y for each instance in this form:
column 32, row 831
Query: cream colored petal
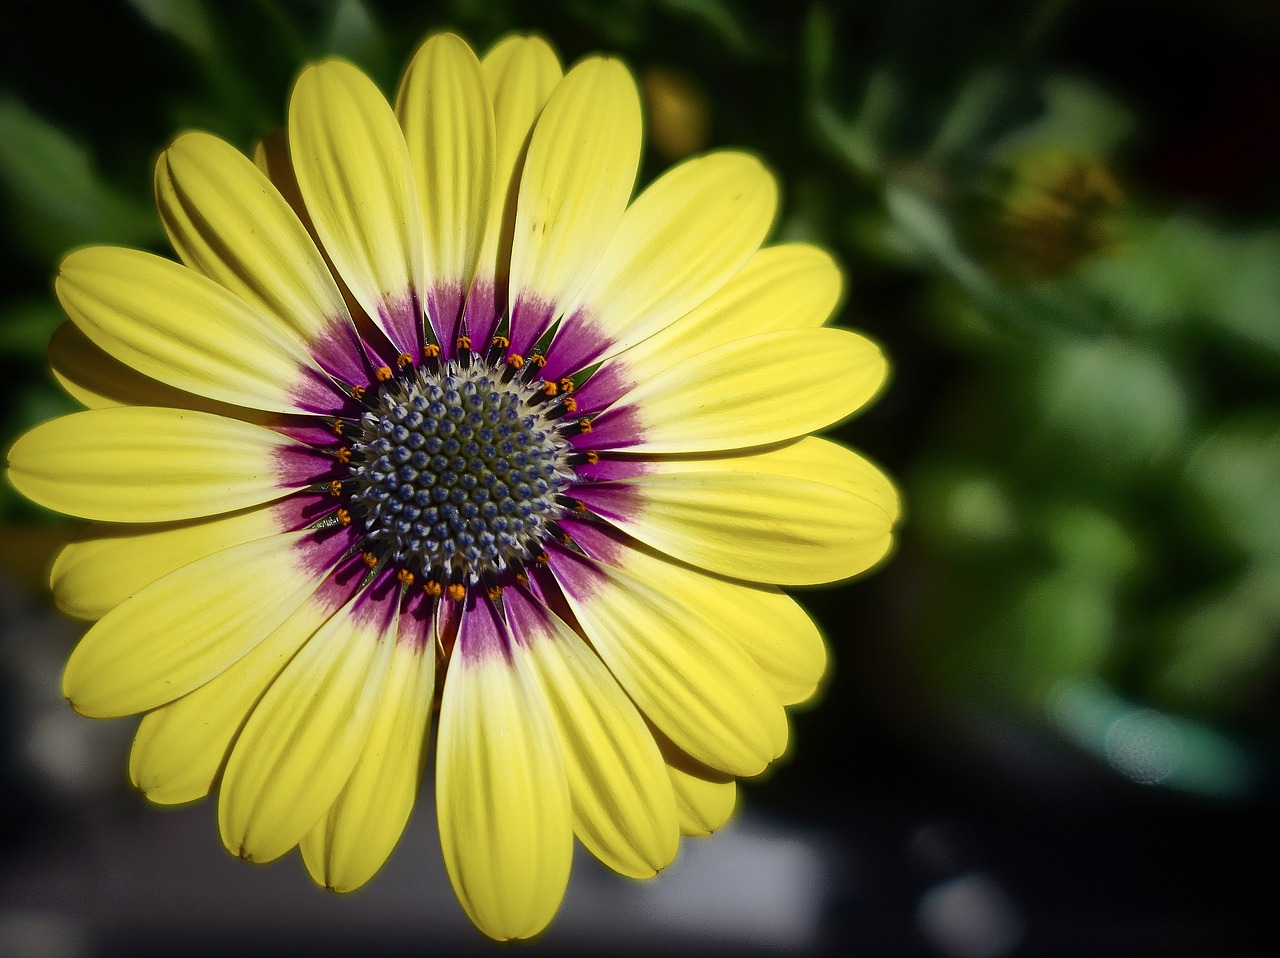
column 356, row 178
column 793, row 286
column 502, row 798
column 749, row 392
column 623, row 807
column 672, row 653
column 142, row 464
column 106, row 564
column 682, row 239
column 296, row 752
column 353, row 840
column 180, row 748
column 185, row 628
column 180, row 327
column 446, row 113
column 577, row 178
column 227, row 220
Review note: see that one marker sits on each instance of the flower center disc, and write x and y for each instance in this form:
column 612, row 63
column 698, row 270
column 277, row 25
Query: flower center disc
column 456, row 473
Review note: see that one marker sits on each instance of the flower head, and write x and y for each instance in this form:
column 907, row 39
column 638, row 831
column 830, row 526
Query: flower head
column 431, row 411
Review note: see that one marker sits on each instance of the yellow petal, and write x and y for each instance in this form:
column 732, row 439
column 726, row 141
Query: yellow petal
column 502, row 799
column 623, row 807
column 142, row 464
column 793, row 286
column 354, row 172
column 767, row 623
column 520, row 73
column 677, row 244
column 447, row 117
column 673, row 654
column 577, row 178
column 353, row 840
column 227, row 220
column 299, row 746
column 704, row 804
column 752, row 525
column 749, row 392
column 180, row 748
column 106, row 564
column 180, row 327
column 185, row 628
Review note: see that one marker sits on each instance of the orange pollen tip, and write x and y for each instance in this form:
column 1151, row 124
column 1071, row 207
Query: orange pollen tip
column 584, row 424
column 430, row 351
column 382, row 374
column 500, row 341
column 463, row 342
column 433, row 588
column 335, row 488
column 405, row 577
column 456, row 591
column 542, row 558
column 495, row 592
column 578, row 506
column 549, row 389
column 515, row 361
column 369, row 559
column 357, row 392
column 570, row 404
column 404, row 359
column 344, row 455
column 344, row 517
column 592, row 457
column 522, row 578
column 337, row 427
column 538, row 360
column 566, row 386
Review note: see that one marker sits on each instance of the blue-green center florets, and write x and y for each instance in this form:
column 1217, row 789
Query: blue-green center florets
column 456, row 473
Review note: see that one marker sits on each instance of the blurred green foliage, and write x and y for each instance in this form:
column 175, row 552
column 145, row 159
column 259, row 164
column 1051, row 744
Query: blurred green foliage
column 1085, row 419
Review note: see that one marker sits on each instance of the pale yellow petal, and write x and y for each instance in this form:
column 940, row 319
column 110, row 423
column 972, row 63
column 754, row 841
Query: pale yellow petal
column 520, row 73
column 299, row 746
column 704, row 804
column 748, row 392
column 677, row 244
column 356, row 178
column 106, row 564
column 180, row 748
column 623, row 807
column 346, row 847
column 577, row 178
column 227, row 220
column 793, row 286
column 178, row 326
column 502, row 799
column 672, row 653
column 753, row 525
column 185, row 628
column 446, row 113
column 143, row 464
column 767, row 623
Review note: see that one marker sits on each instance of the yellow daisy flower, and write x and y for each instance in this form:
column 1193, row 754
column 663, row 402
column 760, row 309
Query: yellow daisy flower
column 434, row 412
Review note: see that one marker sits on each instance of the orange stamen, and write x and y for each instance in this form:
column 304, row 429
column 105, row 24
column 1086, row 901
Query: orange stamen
column 570, row 405
column 405, row 577
column 566, row 385
column 344, row 455
column 344, row 517
column 549, row 389
column 463, row 342
column 369, row 559
column 456, row 591
column 403, row 360
column 495, row 592
column 430, row 351
column 515, row 361
column 500, row 341
column 335, row 488
column 382, row 374
column 433, row 588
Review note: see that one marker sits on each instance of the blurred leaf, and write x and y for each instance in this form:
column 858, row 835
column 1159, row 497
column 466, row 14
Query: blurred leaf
column 26, row 325
column 1090, row 544
column 1234, row 479
column 966, row 509
column 1076, row 114
column 968, row 123
column 724, row 21
column 1118, row 406
column 354, row 33
column 55, row 195
column 187, row 20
